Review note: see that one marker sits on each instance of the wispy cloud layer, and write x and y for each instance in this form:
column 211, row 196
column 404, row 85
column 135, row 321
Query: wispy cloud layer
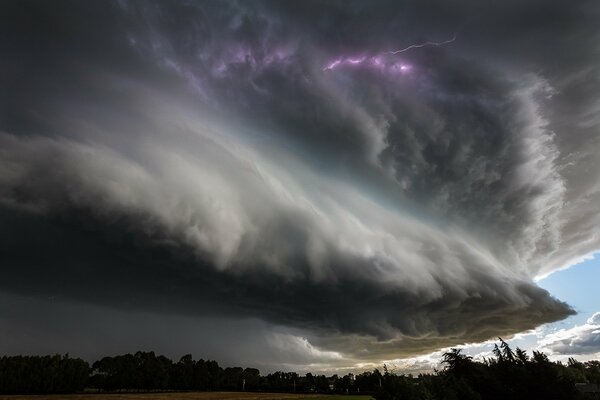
column 580, row 339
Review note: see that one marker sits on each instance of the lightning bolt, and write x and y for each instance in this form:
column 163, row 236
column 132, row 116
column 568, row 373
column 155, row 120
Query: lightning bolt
column 375, row 61
column 424, row 44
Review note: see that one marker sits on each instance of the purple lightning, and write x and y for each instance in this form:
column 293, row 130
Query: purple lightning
column 378, row 61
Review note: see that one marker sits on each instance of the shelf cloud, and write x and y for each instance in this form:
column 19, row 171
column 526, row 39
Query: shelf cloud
column 201, row 162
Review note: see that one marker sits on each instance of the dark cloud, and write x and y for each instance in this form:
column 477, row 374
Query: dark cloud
column 199, row 160
column 28, row 324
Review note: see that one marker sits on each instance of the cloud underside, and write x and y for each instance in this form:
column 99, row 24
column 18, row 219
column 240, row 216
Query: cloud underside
column 201, row 162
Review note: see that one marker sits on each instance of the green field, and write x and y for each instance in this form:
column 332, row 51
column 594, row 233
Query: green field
column 187, row 396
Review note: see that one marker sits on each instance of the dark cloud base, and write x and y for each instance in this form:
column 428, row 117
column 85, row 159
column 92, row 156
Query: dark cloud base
column 116, row 268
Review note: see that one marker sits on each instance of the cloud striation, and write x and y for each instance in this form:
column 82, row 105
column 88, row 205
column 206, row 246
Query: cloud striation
column 200, row 160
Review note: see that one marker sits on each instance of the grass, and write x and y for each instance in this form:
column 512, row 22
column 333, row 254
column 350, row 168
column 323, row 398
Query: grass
column 188, row 396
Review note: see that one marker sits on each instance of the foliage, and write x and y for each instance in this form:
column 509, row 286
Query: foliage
column 47, row 374
column 508, row 375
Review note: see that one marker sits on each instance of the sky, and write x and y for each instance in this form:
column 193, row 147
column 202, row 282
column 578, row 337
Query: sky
column 321, row 186
column 576, row 336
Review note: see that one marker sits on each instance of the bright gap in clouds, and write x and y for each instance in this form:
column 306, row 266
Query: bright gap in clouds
column 575, row 336
column 578, row 286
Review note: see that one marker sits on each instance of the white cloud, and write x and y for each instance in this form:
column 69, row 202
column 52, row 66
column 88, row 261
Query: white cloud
column 580, row 339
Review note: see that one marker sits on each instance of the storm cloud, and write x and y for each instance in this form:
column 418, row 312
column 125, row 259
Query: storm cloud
column 200, row 161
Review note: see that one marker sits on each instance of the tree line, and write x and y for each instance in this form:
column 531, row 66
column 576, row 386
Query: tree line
column 42, row 374
column 148, row 372
column 507, row 374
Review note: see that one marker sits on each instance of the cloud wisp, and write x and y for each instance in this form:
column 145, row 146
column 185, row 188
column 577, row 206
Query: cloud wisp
column 580, row 339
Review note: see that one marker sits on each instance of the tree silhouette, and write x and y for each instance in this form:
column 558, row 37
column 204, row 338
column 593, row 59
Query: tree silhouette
column 456, row 362
column 508, row 375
